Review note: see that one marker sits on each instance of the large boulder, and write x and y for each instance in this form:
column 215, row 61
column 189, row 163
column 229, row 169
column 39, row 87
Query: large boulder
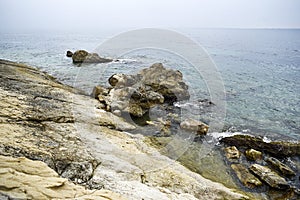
column 81, row 56
column 136, row 94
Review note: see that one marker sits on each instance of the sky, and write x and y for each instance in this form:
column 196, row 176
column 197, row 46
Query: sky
column 74, row 15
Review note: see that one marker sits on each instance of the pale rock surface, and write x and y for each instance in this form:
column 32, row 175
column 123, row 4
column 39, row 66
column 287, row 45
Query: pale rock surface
column 41, row 119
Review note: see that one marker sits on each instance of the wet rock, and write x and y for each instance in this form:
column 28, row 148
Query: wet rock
column 248, row 179
column 81, row 56
column 195, row 126
column 269, row 176
column 253, row 154
column 278, row 148
column 69, row 54
column 163, row 126
column 283, row 168
column 232, row 153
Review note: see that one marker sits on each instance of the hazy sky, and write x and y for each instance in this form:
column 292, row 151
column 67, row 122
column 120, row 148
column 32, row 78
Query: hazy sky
column 26, row 15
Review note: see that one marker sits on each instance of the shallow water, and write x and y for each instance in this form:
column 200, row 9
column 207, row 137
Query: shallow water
column 260, row 70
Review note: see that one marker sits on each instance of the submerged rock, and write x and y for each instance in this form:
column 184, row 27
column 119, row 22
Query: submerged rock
column 278, row 148
column 248, row 179
column 81, row 56
column 253, row 154
column 269, row 176
column 283, row 168
column 232, row 153
column 195, row 126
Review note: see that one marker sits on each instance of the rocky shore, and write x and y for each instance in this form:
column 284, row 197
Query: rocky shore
column 59, row 144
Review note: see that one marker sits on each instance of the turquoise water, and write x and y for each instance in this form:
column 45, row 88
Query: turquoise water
column 260, row 70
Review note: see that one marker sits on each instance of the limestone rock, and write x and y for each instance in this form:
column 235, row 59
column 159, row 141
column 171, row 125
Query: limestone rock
column 269, row 176
column 81, row 56
column 198, row 127
column 283, row 168
column 41, row 119
column 21, row 178
column 138, row 93
column 253, row 154
column 232, row 153
column 248, row 179
column 167, row 82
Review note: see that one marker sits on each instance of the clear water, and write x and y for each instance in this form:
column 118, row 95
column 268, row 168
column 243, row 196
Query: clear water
column 260, row 69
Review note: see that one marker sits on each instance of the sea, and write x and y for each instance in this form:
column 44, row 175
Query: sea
column 259, row 70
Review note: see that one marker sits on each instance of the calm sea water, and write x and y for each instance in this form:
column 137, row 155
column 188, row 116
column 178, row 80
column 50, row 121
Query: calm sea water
column 260, row 70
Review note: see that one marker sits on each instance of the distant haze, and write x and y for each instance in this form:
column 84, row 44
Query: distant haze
column 76, row 15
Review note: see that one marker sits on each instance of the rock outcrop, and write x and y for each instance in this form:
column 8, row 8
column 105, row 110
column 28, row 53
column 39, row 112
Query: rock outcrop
column 269, row 176
column 21, row 178
column 43, row 120
column 82, row 56
column 277, row 148
column 136, row 94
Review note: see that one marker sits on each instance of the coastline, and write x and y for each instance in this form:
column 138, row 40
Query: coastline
column 41, row 119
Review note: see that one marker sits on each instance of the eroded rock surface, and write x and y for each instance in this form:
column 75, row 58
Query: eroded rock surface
column 136, row 94
column 21, row 178
column 41, row 119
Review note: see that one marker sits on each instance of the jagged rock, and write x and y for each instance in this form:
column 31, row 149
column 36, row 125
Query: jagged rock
column 283, row 168
column 21, row 178
column 278, row 148
column 195, row 126
column 138, row 93
column 41, row 119
column 232, row 153
column 167, row 82
column 81, row 56
column 248, row 179
column 253, row 154
column 269, row 176
column 69, row 54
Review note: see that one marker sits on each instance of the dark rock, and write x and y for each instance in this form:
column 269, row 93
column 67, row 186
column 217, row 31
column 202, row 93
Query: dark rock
column 69, row 54
column 81, row 56
column 278, row 148
column 232, row 153
column 269, row 176
column 244, row 175
column 253, row 154
column 283, row 168
column 195, row 126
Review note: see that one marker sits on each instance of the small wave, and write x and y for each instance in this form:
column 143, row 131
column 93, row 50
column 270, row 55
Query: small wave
column 125, row 61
